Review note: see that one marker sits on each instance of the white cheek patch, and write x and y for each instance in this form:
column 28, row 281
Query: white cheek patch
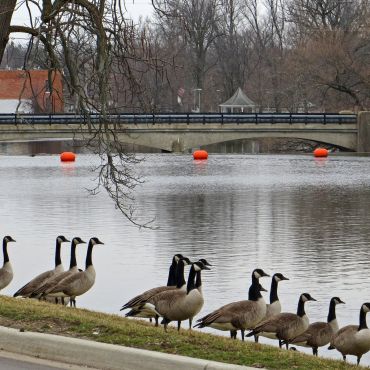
column 257, row 275
column 277, row 279
column 177, row 259
column 365, row 308
column 304, row 298
column 197, row 268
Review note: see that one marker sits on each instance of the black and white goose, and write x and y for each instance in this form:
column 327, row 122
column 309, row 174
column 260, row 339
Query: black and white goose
column 44, row 290
column 140, row 303
column 285, row 326
column 353, row 339
column 36, row 282
column 180, row 304
column 6, row 272
column 241, row 315
column 80, row 282
column 319, row 334
column 274, row 308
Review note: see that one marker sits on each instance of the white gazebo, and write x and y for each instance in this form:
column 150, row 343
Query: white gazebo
column 239, row 102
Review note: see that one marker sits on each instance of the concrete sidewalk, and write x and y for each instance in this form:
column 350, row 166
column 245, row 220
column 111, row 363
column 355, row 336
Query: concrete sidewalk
column 100, row 355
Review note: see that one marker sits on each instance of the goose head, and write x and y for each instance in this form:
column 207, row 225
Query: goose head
column 95, row 241
column 199, row 266
column 177, row 257
column 258, row 273
column 336, row 300
column 205, row 262
column 365, row 307
column 62, row 239
column 279, row 277
column 77, row 240
column 305, row 297
column 7, row 239
column 186, row 261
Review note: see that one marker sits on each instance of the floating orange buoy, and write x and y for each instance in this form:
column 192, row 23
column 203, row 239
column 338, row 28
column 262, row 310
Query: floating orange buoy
column 68, row 157
column 200, row 154
column 320, row 152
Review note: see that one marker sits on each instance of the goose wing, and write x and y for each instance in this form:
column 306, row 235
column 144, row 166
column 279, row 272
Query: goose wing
column 28, row 288
column 50, row 283
column 344, row 337
column 317, row 334
column 237, row 313
column 274, row 323
column 144, row 297
column 72, row 281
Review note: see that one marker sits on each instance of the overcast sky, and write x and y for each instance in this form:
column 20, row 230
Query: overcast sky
column 135, row 9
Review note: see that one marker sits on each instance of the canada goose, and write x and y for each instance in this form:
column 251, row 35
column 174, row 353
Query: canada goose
column 30, row 287
column 286, row 326
column 171, row 282
column 239, row 315
column 137, row 304
column 274, row 307
column 353, row 339
column 6, row 272
column 45, row 288
column 179, row 304
column 319, row 334
column 80, row 282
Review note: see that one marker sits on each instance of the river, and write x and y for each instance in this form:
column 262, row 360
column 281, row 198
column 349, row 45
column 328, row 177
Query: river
column 306, row 218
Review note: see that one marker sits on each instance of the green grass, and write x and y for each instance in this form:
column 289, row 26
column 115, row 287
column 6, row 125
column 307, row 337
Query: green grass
column 31, row 315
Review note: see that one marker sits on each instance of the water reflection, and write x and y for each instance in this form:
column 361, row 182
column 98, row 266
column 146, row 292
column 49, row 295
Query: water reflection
column 289, row 214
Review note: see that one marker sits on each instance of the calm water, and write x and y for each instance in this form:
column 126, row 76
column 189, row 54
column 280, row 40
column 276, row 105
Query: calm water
column 303, row 217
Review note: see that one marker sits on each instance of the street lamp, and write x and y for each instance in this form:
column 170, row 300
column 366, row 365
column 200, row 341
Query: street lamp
column 197, row 109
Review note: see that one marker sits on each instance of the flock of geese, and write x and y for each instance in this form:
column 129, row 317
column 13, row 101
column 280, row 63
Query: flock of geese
column 55, row 285
column 182, row 300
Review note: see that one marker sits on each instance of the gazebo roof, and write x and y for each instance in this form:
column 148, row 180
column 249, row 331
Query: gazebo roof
column 239, row 99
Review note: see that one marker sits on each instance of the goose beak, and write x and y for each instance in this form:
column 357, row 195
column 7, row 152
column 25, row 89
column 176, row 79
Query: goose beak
column 284, row 278
column 262, row 289
column 340, row 301
column 206, row 267
column 264, row 274
column 313, row 299
column 82, row 242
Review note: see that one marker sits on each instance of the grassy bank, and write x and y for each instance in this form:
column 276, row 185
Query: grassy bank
column 31, row 315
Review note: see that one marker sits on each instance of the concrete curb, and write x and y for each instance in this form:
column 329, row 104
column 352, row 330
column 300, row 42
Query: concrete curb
column 100, row 355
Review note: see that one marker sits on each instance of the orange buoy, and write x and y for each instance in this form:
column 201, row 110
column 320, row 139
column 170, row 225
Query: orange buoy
column 320, row 152
column 200, row 154
column 68, row 157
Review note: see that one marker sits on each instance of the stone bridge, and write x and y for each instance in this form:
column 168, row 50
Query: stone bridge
column 183, row 132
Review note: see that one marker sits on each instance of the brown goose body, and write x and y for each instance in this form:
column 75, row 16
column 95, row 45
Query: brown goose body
column 80, row 282
column 285, row 326
column 142, row 298
column 353, row 339
column 41, row 279
column 319, row 334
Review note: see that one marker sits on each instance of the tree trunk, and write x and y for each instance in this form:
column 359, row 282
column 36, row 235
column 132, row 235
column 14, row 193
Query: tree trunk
column 6, row 12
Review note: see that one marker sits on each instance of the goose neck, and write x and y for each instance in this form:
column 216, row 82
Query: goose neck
column 273, row 292
column 300, row 310
column 198, row 282
column 172, row 278
column 332, row 315
column 73, row 261
column 89, row 255
column 180, row 274
column 254, row 293
column 191, row 280
column 363, row 324
column 5, row 251
column 58, row 260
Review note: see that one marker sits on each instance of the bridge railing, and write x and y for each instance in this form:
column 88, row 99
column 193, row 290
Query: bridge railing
column 186, row 118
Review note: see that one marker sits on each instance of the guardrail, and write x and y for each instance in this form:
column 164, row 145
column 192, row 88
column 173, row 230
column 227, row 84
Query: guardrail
column 186, row 118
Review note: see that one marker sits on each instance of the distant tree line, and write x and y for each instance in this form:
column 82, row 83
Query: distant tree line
column 287, row 55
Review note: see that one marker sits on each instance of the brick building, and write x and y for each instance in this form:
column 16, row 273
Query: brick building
column 28, row 92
